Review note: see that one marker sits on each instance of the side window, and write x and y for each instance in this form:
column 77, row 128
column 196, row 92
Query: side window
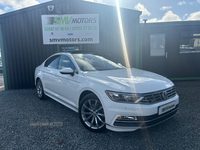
column 190, row 42
column 52, row 62
column 65, row 62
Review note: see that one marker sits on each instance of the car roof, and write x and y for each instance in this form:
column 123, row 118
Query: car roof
column 80, row 52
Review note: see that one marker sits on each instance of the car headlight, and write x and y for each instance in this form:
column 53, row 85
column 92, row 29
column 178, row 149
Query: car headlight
column 124, row 97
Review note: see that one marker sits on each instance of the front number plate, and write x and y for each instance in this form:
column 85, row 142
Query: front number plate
column 166, row 108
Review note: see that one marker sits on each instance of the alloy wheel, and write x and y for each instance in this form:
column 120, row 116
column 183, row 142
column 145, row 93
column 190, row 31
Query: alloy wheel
column 92, row 114
column 39, row 89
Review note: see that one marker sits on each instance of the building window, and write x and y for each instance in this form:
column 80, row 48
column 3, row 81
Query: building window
column 157, row 44
column 190, row 43
column 67, row 47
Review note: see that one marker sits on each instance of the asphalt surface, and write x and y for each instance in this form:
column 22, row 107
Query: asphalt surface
column 20, row 108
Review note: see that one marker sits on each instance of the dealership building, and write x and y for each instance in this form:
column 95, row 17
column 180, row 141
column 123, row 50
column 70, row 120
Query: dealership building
column 28, row 36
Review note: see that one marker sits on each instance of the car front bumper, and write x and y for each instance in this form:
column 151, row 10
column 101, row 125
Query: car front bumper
column 147, row 115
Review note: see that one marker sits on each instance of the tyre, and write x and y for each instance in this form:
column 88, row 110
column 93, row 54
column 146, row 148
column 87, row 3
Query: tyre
column 91, row 113
column 40, row 91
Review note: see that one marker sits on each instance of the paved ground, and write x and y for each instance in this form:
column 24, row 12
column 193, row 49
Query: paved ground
column 19, row 108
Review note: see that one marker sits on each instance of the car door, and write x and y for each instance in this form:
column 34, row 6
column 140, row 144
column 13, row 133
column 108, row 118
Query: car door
column 66, row 84
column 156, row 58
column 48, row 79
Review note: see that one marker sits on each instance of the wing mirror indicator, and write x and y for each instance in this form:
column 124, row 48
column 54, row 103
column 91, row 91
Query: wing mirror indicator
column 67, row 71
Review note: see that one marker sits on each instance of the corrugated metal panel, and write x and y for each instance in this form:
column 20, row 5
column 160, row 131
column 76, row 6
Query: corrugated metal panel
column 23, row 42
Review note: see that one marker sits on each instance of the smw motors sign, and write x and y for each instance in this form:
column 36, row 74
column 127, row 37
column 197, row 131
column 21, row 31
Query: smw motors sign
column 70, row 29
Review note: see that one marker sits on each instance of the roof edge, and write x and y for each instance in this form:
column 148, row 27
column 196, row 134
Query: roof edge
column 173, row 23
column 54, row 2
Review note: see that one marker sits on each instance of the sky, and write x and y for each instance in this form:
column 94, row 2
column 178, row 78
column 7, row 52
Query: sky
column 153, row 10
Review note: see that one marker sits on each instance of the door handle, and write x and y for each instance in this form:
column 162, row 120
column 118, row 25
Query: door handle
column 166, row 54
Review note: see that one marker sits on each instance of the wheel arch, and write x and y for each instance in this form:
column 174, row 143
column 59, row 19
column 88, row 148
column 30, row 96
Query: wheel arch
column 37, row 78
column 87, row 91
column 83, row 94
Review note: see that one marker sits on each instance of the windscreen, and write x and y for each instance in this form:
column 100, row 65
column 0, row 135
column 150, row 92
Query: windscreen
column 90, row 62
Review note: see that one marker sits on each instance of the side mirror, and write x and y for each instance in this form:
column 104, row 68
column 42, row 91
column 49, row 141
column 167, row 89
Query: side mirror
column 67, row 71
column 120, row 65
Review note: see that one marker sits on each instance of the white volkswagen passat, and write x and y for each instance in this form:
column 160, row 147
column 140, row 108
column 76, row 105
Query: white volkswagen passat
column 106, row 94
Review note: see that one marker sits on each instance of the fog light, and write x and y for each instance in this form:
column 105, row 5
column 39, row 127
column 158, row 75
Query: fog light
column 127, row 118
column 119, row 118
column 132, row 117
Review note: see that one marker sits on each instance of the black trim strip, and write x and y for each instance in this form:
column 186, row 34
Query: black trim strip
column 123, row 121
column 146, row 121
column 61, row 100
column 148, row 126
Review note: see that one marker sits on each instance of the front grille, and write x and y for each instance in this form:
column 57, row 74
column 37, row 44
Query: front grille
column 155, row 97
